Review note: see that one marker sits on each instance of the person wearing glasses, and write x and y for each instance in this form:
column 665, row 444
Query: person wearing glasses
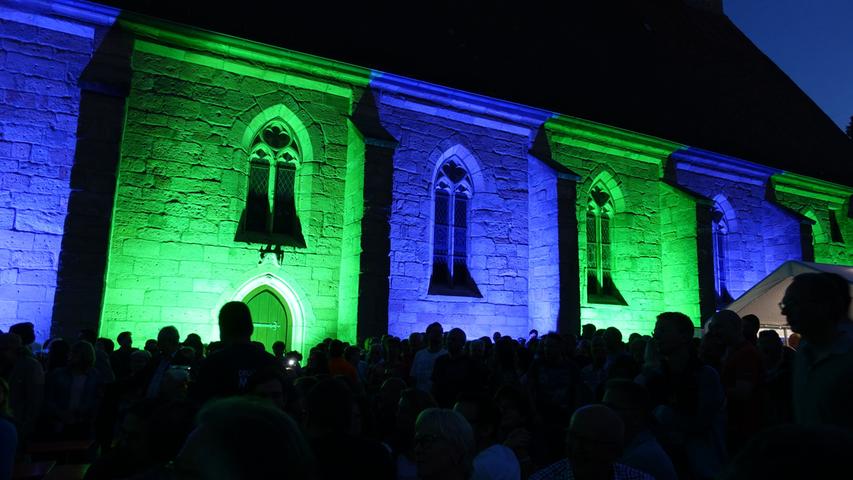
column 816, row 306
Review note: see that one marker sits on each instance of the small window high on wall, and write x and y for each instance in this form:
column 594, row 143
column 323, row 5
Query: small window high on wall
column 719, row 238
column 452, row 205
column 270, row 215
column 599, row 248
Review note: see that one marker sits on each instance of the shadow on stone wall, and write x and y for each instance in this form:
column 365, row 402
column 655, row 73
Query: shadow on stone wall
column 375, row 261
column 104, row 85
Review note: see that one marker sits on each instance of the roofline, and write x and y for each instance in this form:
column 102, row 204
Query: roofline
column 164, row 32
column 602, row 138
column 804, row 186
column 455, row 100
column 55, row 15
column 706, row 162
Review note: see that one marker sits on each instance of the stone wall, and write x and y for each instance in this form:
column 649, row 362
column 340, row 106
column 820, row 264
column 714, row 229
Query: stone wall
column 182, row 190
column 544, row 249
column 680, row 275
column 40, row 61
column 824, row 204
column 636, row 235
column 761, row 235
column 496, row 159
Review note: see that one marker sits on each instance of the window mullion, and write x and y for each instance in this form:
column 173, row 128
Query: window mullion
column 271, row 194
column 451, row 237
column 599, row 250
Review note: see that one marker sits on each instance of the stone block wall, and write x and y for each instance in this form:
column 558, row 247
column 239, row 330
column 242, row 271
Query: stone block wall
column 182, row 190
column 497, row 224
column 544, row 249
column 637, row 261
column 761, row 235
column 680, row 275
column 820, row 206
column 40, row 61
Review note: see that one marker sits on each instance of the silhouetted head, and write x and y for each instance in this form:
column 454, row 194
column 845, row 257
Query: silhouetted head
column 240, row 439
column 727, row 326
column 594, row 441
column 815, row 303
column 270, row 385
column 105, row 345
column 751, row 325
column 770, row 347
column 673, row 331
column 235, row 323
column 82, row 356
column 456, row 341
column 168, row 340
column 444, row 444
column 434, row 334
column 336, row 349
column 125, row 340
column 26, row 331
column 613, row 339
column 10, row 349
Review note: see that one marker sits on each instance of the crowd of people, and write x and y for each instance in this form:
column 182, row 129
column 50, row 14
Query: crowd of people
column 734, row 404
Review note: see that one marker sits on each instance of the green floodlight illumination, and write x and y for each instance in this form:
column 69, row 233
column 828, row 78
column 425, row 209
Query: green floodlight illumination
column 173, row 256
column 827, row 205
column 655, row 259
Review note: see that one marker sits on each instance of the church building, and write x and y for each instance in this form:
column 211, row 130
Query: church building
column 151, row 172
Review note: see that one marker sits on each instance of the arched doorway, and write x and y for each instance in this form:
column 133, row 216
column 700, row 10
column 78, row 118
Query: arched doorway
column 270, row 315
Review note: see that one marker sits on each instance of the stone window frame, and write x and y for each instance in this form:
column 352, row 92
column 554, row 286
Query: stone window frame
column 274, row 157
column 719, row 247
column 600, row 218
column 835, row 233
column 450, row 273
column 723, row 225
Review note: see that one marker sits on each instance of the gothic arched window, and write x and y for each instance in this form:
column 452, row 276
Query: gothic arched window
column 719, row 240
column 274, row 158
column 599, row 248
column 453, row 193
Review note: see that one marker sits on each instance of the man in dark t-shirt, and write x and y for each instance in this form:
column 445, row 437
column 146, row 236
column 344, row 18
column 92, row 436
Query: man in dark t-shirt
column 226, row 372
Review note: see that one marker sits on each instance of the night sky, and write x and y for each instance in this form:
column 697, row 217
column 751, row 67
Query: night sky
column 812, row 41
column 653, row 66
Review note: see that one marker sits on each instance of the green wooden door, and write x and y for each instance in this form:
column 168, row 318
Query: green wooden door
column 270, row 317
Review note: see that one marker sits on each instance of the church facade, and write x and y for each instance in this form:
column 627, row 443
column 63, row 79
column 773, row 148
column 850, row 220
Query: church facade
column 152, row 172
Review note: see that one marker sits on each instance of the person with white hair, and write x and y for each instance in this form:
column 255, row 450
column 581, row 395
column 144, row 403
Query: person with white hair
column 444, row 445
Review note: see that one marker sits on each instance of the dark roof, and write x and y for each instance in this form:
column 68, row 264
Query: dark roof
column 652, row 66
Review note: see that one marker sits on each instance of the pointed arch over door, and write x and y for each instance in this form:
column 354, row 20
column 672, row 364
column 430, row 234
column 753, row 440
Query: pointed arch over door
column 271, row 317
column 296, row 306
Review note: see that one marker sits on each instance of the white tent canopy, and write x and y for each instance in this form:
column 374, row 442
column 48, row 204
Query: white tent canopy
column 762, row 300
